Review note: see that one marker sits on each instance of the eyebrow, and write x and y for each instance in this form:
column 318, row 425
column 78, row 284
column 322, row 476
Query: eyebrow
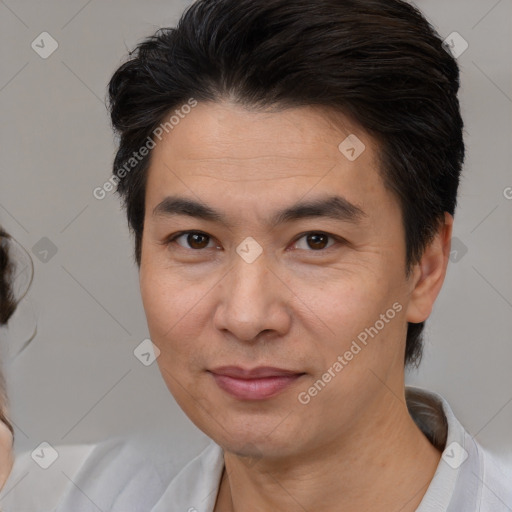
column 334, row 207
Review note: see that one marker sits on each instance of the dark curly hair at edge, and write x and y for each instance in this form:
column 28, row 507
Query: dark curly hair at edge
column 378, row 62
column 7, row 307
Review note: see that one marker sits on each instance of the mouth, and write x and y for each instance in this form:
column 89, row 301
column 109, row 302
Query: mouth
column 255, row 384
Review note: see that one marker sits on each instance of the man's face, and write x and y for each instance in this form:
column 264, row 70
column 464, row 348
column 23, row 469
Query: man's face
column 319, row 283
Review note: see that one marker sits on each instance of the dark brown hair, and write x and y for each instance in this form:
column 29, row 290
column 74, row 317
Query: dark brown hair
column 377, row 61
column 7, row 300
column 7, row 307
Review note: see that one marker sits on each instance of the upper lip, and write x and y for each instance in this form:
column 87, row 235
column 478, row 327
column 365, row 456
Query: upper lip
column 254, row 373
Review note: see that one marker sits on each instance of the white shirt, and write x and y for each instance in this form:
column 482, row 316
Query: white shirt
column 116, row 477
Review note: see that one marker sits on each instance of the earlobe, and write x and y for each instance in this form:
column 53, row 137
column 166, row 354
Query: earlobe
column 428, row 274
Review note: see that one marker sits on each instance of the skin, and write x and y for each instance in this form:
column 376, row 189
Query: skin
column 6, row 453
column 298, row 306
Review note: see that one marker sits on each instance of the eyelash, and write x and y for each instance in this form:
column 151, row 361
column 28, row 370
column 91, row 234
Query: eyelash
column 172, row 239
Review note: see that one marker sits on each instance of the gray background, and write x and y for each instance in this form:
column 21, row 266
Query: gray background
column 78, row 381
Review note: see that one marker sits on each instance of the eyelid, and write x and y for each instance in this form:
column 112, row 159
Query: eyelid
column 172, row 238
column 313, row 232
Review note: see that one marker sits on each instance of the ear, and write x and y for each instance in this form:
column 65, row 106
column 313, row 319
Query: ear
column 428, row 274
column 6, row 452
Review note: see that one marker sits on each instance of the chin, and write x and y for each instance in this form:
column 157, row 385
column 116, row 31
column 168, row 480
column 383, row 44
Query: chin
column 267, row 441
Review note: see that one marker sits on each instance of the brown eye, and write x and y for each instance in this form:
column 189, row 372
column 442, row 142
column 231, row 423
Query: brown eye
column 192, row 240
column 314, row 241
column 197, row 240
column 317, row 240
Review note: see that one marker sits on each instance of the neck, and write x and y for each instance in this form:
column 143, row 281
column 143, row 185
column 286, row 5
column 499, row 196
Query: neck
column 384, row 463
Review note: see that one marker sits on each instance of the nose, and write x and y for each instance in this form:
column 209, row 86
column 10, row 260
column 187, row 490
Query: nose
column 252, row 302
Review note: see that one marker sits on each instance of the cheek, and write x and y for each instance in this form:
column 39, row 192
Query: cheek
column 342, row 303
column 341, row 311
column 176, row 313
column 173, row 326
column 157, row 301
column 164, row 303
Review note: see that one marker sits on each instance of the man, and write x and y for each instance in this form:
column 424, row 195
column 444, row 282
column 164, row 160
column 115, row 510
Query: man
column 289, row 170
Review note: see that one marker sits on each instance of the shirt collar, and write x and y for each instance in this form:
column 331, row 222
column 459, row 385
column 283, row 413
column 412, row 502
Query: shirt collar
column 456, row 484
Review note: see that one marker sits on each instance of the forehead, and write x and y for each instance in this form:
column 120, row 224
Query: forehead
column 225, row 130
column 241, row 153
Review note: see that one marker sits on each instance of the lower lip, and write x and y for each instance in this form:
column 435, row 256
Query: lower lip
column 254, row 389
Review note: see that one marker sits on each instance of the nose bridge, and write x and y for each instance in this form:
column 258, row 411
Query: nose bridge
column 250, row 301
column 249, row 287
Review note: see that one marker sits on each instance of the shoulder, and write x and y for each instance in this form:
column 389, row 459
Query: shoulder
column 39, row 478
column 496, row 482
column 468, row 477
column 117, row 474
column 484, row 480
column 196, row 486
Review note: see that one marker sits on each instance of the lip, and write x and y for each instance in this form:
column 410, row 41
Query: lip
column 254, row 384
